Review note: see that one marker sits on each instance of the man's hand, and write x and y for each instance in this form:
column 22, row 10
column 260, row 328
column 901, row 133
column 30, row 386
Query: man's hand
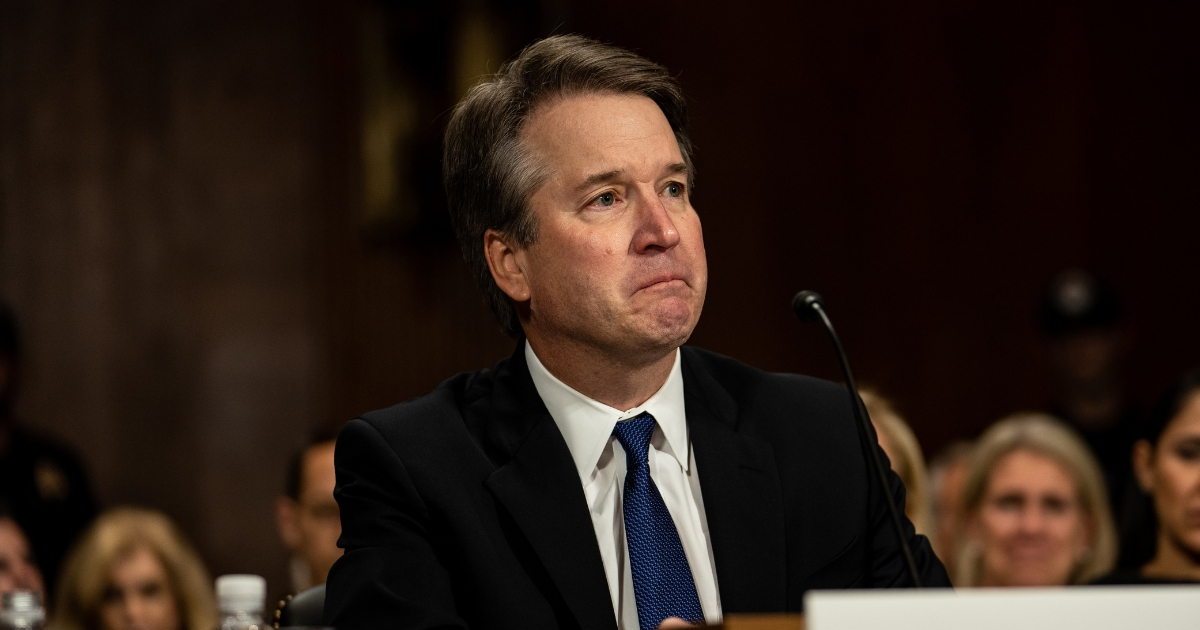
column 674, row 622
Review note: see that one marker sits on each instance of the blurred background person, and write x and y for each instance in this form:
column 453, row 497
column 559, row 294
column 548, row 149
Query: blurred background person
column 18, row 568
column 901, row 446
column 133, row 570
column 1167, row 464
column 308, row 517
column 1088, row 343
column 947, row 475
column 1036, row 511
column 43, row 482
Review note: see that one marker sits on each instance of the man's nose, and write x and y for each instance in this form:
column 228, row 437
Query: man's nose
column 656, row 229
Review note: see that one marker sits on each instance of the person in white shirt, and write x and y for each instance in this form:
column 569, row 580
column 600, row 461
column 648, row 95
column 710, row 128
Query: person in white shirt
column 587, row 426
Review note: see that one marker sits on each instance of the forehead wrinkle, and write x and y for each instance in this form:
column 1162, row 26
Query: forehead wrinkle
column 542, row 139
column 615, row 174
column 599, row 178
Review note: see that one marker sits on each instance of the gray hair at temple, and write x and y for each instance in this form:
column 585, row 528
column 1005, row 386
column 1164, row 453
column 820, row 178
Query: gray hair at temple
column 490, row 176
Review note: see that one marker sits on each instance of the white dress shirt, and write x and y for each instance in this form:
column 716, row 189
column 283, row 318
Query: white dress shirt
column 587, row 426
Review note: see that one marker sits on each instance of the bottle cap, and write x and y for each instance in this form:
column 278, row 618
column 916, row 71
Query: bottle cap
column 241, row 593
column 21, row 606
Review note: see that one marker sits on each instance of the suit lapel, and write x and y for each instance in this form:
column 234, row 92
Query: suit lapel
column 743, row 502
column 537, row 484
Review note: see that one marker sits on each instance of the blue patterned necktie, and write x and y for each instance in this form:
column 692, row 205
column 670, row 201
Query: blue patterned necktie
column 662, row 580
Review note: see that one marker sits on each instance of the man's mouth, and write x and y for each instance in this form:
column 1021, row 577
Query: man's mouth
column 661, row 279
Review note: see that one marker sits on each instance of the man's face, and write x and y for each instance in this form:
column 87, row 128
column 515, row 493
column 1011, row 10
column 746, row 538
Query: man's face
column 1088, row 357
column 619, row 261
column 311, row 526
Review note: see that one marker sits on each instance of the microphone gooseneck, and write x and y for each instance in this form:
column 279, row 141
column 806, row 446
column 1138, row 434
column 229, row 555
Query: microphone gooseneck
column 809, row 307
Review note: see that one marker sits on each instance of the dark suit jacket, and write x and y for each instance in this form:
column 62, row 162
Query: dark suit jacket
column 463, row 508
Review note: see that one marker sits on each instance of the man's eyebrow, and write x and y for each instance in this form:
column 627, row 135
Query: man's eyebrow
column 600, row 178
column 677, row 168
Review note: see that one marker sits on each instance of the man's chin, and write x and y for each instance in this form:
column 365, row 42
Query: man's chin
column 673, row 316
column 666, row 334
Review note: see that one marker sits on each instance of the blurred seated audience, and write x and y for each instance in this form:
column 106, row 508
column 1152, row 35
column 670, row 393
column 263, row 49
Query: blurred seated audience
column 133, row 570
column 43, row 482
column 900, row 444
column 18, row 569
column 1167, row 463
column 308, row 517
column 1035, row 507
column 947, row 474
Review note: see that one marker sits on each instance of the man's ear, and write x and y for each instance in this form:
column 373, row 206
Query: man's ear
column 1142, row 469
column 287, row 513
column 506, row 263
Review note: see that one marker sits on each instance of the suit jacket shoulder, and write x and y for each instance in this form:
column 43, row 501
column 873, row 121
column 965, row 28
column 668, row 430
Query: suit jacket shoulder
column 836, row 526
column 771, row 393
column 462, row 508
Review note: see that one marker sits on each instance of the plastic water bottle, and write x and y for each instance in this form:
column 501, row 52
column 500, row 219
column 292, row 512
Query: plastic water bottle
column 22, row 610
column 242, row 599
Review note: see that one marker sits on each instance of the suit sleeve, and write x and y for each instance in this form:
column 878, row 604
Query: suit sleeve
column 887, row 566
column 390, row 575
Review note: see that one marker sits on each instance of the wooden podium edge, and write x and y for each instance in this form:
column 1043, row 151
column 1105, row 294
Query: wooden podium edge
column 766, row 621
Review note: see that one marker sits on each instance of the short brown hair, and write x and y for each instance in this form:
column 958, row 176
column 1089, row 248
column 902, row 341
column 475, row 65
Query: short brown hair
column 114, row 536
column 489, row 176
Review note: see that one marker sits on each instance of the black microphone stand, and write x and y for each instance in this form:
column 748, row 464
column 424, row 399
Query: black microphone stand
column 809, row 306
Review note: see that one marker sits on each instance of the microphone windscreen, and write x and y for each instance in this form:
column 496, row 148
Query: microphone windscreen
column 805, row 305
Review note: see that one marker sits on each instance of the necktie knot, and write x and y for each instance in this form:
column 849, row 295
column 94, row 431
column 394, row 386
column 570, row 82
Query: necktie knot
column 634, row 435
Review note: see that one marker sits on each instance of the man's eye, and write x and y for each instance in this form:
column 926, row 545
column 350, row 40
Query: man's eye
column 674, row 189
column 1188, row 452
column 606, row 199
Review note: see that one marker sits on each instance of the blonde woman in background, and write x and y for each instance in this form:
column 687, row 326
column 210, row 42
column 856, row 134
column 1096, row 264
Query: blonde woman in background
column 1036, row 509
column 904, row 452
column 132, row 570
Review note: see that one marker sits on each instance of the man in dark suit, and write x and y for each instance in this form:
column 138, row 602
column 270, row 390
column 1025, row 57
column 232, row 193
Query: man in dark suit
column 603, row 476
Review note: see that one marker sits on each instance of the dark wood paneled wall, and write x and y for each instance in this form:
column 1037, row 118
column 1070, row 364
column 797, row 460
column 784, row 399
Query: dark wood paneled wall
column 929, row 167
column 160, row 178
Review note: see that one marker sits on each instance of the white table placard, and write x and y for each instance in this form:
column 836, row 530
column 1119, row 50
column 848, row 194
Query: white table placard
column 1084, row 607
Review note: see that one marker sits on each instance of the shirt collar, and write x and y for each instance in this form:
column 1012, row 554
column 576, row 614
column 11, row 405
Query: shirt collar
column 587, row 424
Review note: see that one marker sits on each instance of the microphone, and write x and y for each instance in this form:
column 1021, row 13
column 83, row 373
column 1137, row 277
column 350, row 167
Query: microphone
column 809, row 307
